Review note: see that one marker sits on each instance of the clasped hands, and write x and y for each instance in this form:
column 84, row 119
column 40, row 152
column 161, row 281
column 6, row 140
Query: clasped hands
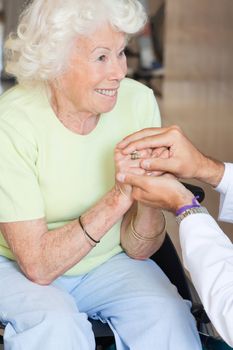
column 164, row 156
column 135, row 163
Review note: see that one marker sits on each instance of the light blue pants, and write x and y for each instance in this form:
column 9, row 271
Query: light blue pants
column 135, row 297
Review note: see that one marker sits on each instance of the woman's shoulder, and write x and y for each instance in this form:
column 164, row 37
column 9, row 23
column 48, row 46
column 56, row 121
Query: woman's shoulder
column 17, row 102
column 134, row 94
column 133, row 86
column 132, row 91
column 13, row 95
column 15, row 118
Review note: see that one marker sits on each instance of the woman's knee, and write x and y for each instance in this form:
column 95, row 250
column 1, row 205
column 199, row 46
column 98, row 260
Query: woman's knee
column 70, row 330
column 68, row 322
column 46, row 310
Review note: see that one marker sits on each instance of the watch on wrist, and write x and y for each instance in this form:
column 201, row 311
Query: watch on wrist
column 191, row 211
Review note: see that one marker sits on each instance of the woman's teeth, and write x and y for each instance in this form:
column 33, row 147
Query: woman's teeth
column 106, row 92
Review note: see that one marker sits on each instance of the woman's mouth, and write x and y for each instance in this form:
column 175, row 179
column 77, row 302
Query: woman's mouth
column 106, row 92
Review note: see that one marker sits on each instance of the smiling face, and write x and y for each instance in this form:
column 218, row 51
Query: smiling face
column 96, row 67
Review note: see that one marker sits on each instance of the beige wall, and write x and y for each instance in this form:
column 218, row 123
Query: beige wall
column 198, row 85
column 154, row 5
column 11, row 9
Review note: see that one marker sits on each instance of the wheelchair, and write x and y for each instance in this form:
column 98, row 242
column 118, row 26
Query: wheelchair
column 173, row 268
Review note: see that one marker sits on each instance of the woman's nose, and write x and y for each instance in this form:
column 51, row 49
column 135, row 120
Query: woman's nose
column 118, row 69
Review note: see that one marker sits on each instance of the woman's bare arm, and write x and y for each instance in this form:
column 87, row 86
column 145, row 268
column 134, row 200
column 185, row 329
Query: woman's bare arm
column 150, row 224
column 143, row 227
column 44, row 255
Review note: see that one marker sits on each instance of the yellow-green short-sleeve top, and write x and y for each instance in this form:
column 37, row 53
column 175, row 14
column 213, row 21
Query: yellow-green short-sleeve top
column 48, row 171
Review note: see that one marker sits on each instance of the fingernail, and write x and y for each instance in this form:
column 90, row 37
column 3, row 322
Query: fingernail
column 145, row 164
column 120, row 177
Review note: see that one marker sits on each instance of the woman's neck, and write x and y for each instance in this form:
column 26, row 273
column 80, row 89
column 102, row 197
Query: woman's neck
column 66, row 112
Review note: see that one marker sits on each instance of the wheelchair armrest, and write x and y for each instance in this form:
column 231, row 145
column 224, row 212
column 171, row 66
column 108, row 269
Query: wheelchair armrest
column 199, row 313
column 196, row 190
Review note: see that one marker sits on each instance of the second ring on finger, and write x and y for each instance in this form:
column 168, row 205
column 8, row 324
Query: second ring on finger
column 135, row 155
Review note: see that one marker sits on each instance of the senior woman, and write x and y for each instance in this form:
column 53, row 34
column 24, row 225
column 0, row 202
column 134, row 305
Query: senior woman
column 73, row 244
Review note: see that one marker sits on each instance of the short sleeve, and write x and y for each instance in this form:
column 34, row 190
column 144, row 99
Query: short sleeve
column 156, row 117
column 151, row 115
column 20, row 197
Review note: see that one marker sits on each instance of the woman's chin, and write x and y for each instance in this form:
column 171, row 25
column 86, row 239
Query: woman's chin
column 108, row 106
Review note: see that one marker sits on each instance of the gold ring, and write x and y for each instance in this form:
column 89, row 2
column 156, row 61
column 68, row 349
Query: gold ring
column 135, row 155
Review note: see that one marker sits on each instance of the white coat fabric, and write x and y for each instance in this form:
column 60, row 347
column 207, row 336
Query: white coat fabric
column 208, row 256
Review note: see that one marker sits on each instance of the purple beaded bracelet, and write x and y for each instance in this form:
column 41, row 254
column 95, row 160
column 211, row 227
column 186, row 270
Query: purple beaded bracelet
column 195, row 204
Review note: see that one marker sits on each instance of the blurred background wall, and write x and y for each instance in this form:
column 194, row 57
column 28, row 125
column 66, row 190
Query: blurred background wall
column 198, row 81
column 11, row 9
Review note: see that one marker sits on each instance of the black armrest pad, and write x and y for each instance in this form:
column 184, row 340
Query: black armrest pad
column 199, row 313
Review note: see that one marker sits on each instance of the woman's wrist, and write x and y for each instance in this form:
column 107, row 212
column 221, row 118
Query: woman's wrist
column 141, row 233
column 149, row 220
column 121, row 193
column 97, row 220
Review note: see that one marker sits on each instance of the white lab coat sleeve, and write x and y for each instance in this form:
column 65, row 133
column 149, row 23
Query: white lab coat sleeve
column 208, row 256
column 225, row 188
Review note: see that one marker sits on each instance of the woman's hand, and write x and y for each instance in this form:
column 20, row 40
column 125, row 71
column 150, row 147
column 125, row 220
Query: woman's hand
column 124, row 164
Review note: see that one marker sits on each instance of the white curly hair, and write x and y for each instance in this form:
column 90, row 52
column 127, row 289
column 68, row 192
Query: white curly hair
column 39, row 50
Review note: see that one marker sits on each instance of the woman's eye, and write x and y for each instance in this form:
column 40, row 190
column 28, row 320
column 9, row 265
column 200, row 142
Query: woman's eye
column 102, row 58
column 122, row 53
